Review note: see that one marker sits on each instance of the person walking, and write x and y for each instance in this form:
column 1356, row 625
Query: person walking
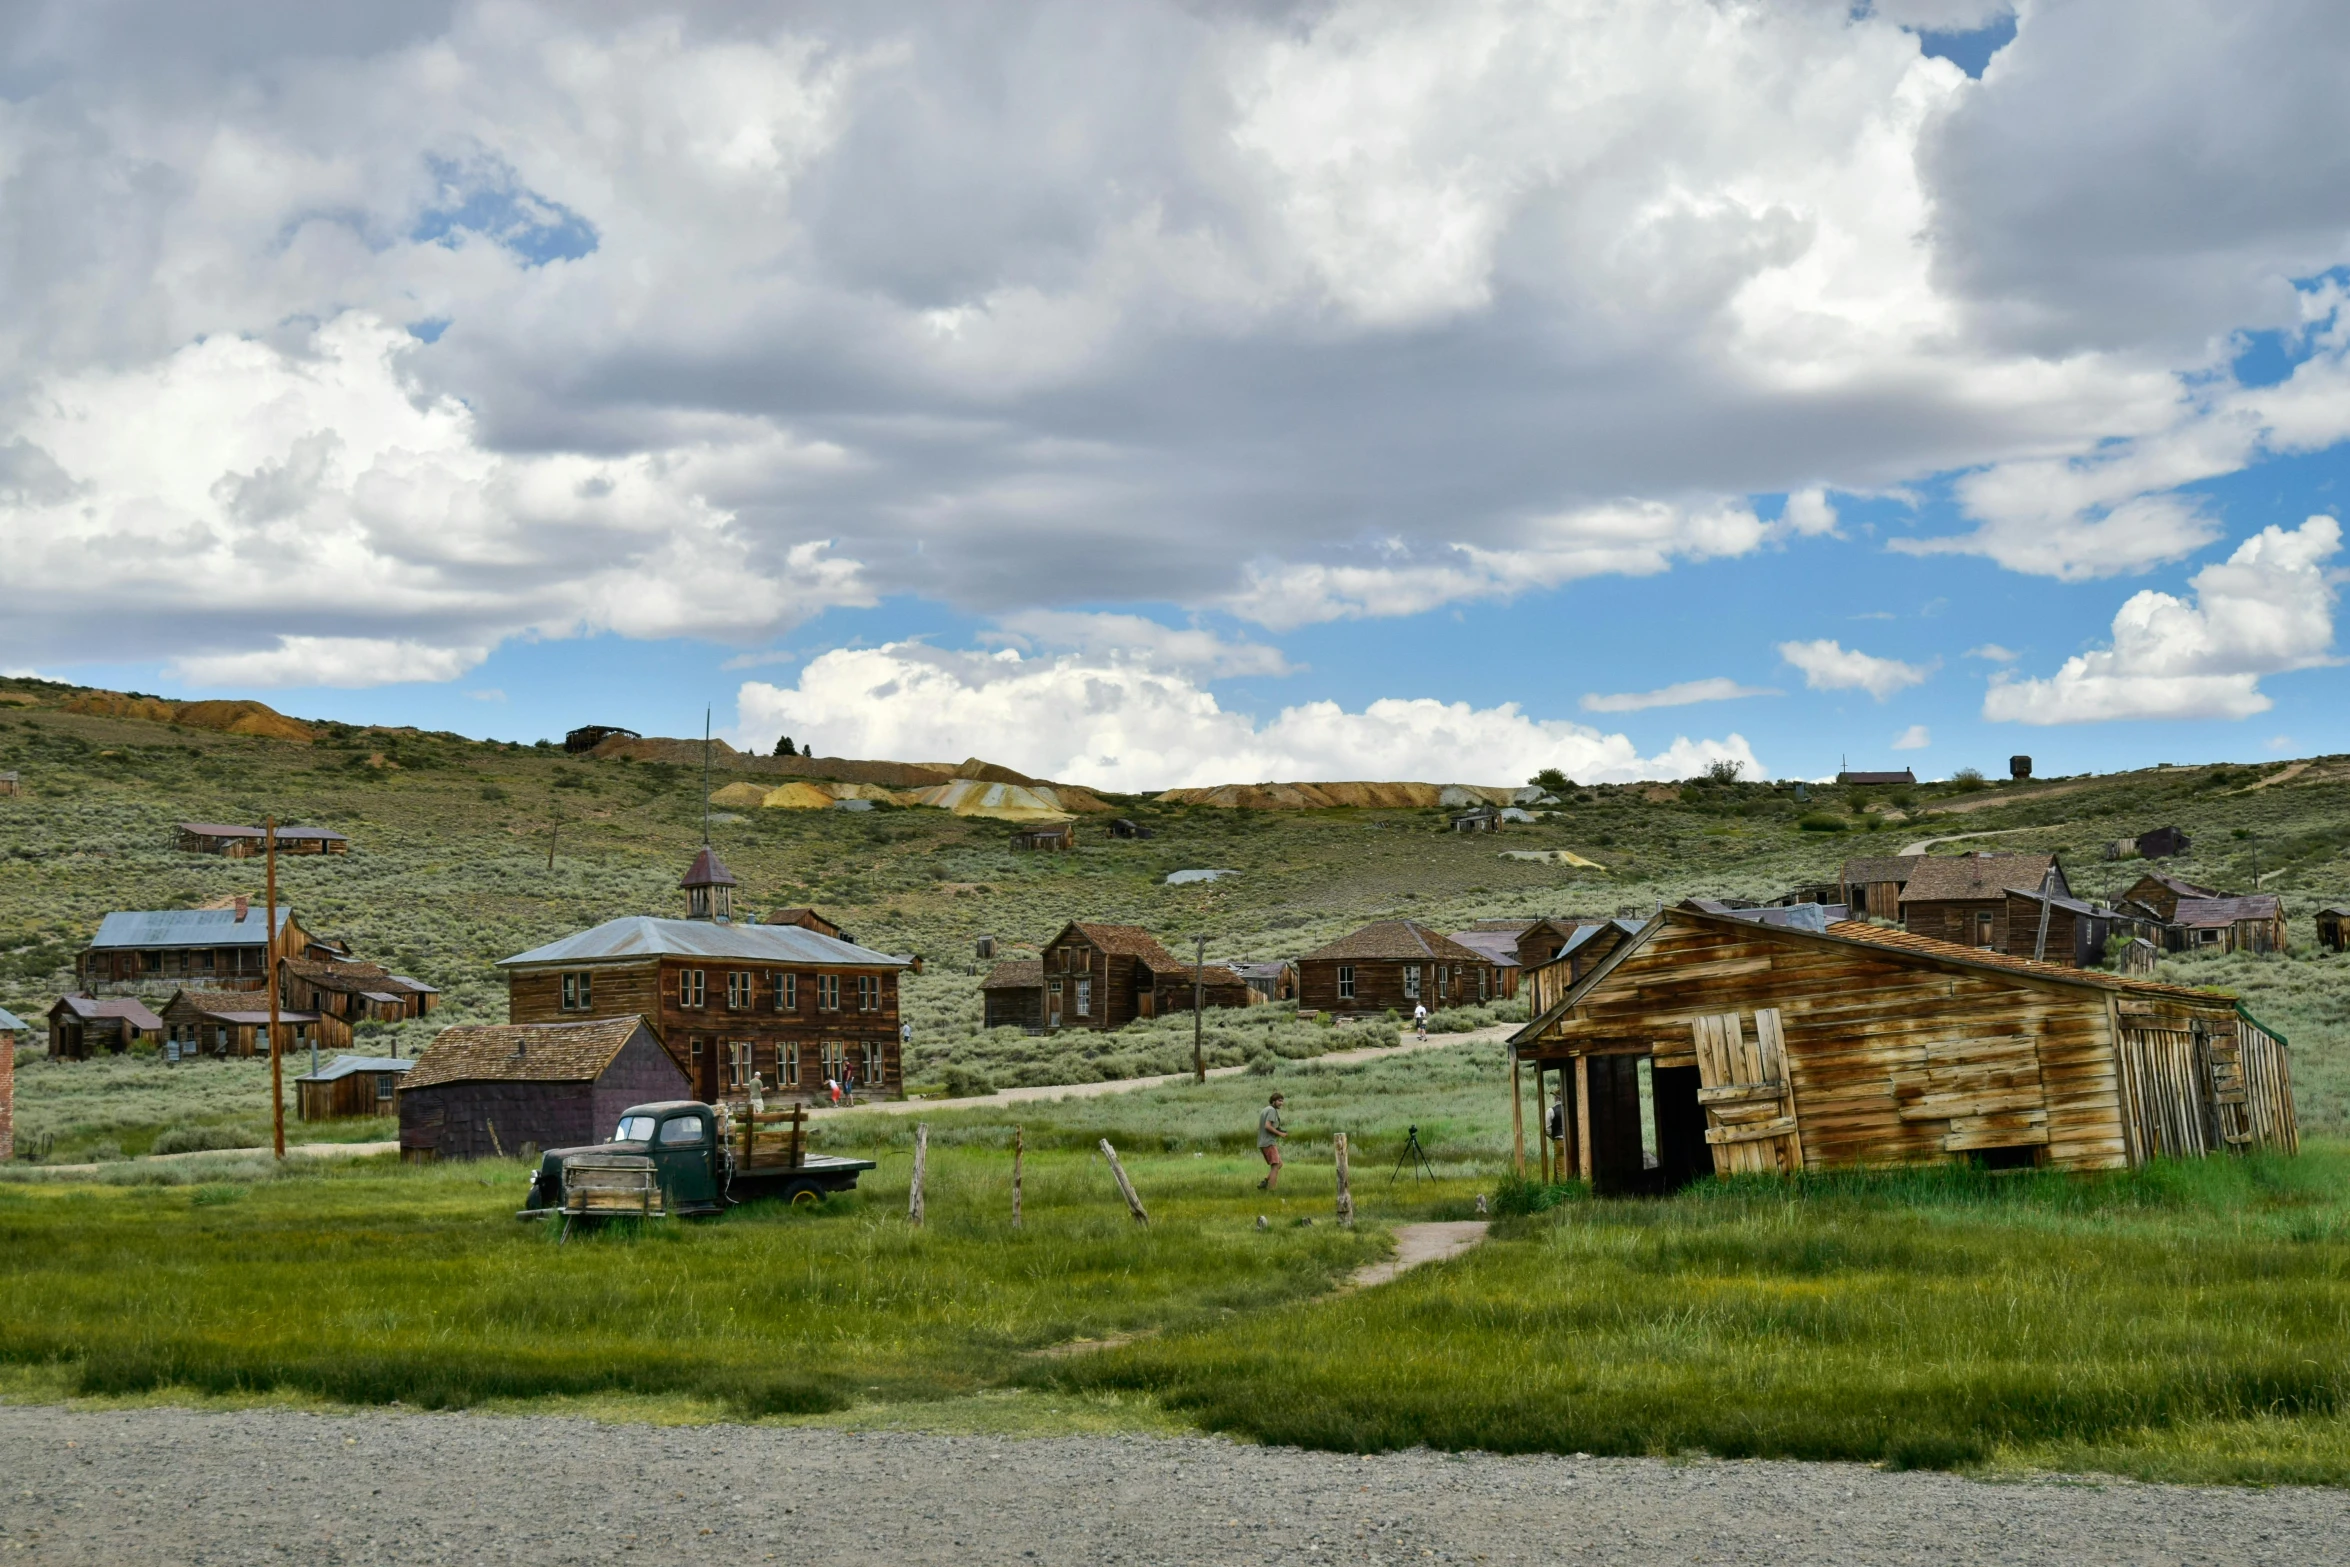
column 832, row 1087
column 1269, row 1135
column 1420, row 1019
column 848, row 1085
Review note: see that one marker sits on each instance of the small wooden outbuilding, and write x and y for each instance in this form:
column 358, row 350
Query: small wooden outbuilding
column 10, row 784
column 1012, row 995
column 2162, row 843
column 2252, row 922
column 81, row 1025
column 2160, row 894
column 1274, row 981
column 807, row 919
column 243, row 843
column 1872, row 887
column 351, row 1086
column 1709, row 1044
column 1060, row 838
column 2333, row 928
column 2056, row 930
column 1219, row 985
column 1962, row 898
column 483, row 1091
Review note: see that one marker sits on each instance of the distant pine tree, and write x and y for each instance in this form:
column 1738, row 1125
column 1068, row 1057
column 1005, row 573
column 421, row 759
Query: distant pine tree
column 783, row 747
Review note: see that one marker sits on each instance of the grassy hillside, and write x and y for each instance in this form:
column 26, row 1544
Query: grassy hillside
column 450, row 867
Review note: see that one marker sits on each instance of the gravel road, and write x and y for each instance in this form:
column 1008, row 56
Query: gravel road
column 159, row 1485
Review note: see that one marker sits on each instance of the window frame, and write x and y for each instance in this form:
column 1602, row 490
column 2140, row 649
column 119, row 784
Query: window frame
column 828, row 992
column 1083, row 1006
column 1346, row 982
column 693, row 989
column 787, row 992
column 787, row 1064
column 868, row 992
column 1411, row 982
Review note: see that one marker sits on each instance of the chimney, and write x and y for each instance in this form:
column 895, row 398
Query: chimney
column 243, row 903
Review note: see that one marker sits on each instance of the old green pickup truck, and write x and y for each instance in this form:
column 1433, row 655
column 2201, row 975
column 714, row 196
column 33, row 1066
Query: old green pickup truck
column 683, row 1158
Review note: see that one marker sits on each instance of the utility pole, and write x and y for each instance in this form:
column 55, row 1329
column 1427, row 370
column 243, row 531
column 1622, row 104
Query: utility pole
column 552, row 834
column 277, row 1091
column 1199, row 955
column 705, row 778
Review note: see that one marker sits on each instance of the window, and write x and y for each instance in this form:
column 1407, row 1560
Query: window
column 1346, row 982
column 684, row 1132
column 691, row 988
column 1085, row 998
column 1983, row 929
column 876, row 1065
column 739, row 985
column 697, row 1047
column 787, row 992
column 1411, row 982
column 836, row 1059
column 1056, row 987
column 828, row 992
column 386, row 1084
column 634, row 1129
column 152, row 962
column 738, row 1063
column 787, row 1065
column 578, row 993
column 868, row 992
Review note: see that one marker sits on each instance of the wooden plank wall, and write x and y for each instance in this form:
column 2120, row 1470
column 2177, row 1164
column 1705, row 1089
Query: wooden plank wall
column 1891, row 1062
column 2268, row 1089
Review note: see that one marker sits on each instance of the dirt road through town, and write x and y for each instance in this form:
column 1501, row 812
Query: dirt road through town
column 164, row 1485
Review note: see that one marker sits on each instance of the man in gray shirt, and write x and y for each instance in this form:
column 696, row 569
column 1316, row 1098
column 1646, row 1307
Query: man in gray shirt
column 1269, row 1135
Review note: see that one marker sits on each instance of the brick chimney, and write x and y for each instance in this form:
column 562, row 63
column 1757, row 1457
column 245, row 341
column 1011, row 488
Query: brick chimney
column 243, row 903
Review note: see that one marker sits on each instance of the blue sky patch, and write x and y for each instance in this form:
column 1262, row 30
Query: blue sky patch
column 486, row 197
column 1970, row 51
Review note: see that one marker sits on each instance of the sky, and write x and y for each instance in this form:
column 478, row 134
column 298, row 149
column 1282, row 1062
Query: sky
column 1159, row 394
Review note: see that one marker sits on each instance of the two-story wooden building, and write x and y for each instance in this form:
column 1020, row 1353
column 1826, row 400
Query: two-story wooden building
column 726, row 1000
column 1392, row 965
column 219, row 949
column 1963, row 897
column 1103, row 976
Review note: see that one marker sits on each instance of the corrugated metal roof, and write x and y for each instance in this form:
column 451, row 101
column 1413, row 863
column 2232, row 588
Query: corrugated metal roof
column 644, row 936
column 1494, row 946
column 139, row 929
column 10, row 1023
column 345, row 1066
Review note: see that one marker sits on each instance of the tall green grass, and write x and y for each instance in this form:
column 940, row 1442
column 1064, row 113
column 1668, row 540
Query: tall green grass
column 1917, row 1318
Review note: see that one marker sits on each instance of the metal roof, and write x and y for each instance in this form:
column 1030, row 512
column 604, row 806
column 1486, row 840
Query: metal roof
column 186, row 928
column 10, row 1023
column 258, row 834
column 1499, row 947
column 90, row 1009
column 345, row 1066
column 643, row 936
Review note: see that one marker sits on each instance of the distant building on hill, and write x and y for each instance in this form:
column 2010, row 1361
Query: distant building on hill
column 244, row 843
column 1905, row 776
column 588, row 736
column 223, row 949
column 1393, row 965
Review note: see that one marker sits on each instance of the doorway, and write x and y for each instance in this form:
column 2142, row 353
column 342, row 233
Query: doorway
column 1647, row 1127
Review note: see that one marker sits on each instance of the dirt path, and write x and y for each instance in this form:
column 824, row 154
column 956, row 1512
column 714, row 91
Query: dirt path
column 1417, row 1245
column 1996, row 797
column 293, row 1151
column 1127, row 1085
column 1923, row 844
column 171, row 1485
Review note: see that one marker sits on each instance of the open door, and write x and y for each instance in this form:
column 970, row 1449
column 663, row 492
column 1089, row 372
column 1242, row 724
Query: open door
column 1748, row 1098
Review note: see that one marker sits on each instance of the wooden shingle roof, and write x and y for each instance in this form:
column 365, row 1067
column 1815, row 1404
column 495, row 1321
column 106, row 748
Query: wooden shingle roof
column 1882, row 867
column 1403, row 940
column 523, row 1052
column 1130, row 941
column 1941, row 877
column 1015, row 974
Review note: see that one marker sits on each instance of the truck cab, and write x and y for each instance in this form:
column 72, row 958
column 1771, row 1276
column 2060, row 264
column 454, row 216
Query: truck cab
column 680, row 1139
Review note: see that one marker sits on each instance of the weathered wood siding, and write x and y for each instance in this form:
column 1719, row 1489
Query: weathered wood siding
column 1379, row 985
column 1958, row 919
column 789, row 1049
column 1020, row 1007
column 485, row 1120
column 1889, row 1062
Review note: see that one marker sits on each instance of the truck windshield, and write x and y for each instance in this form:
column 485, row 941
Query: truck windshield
column 685, row 1129
column 634, row 1129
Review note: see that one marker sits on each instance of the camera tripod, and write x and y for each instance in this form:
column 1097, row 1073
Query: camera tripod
column 1415, row 1156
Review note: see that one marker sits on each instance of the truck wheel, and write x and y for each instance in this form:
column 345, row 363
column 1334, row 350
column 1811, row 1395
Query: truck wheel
column 803, row 1194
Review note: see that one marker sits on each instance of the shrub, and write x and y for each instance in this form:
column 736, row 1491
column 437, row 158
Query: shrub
column 1967, row 780
column 492, row 792
column 205, row 1139
column 1821, row 821
column 966, row 1083
column 1725, row 771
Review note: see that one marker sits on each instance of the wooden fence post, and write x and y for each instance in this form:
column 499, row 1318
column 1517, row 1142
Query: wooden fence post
column 921, row 1161
column 1124, row 1185
column 1517, row 1117
column 1018, row 1148
column 1346, row 1196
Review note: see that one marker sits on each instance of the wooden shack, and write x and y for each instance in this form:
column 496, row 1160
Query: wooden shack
column 236, row 1023
column 1480, row 818
column 2056, row 930
column 352, row 992
column 2162, row 843
column 1544, row 939
column 1499, row 948
column 1962, row 898
column 11, row 1035
column 785, row 1003
column 1871, row 888
column 483, row 1091
column 80, row 1026
column 2250, row 922
column 351, row 1086
column 2160, row 894
column 807, row 919
column 1761, row 1048
column 1273, row 981
column 243, row 843
column 1392, row 965
column 1058, row 837
column 10, row 784
column 2333, row 928
column 222, row 949
column 1219, row 985
column 1899, row 779
column 1586, row 950
column 1012, row 995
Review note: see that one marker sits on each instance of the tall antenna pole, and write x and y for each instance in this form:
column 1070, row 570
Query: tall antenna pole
column 277, row 1092
column 705, row 778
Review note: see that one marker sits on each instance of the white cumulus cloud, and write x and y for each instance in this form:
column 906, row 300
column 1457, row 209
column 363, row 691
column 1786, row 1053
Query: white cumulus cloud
column 1123, row 726
column 1915, row 738
column 1142, row 639
column 2266, row 609
column 1828, row 665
